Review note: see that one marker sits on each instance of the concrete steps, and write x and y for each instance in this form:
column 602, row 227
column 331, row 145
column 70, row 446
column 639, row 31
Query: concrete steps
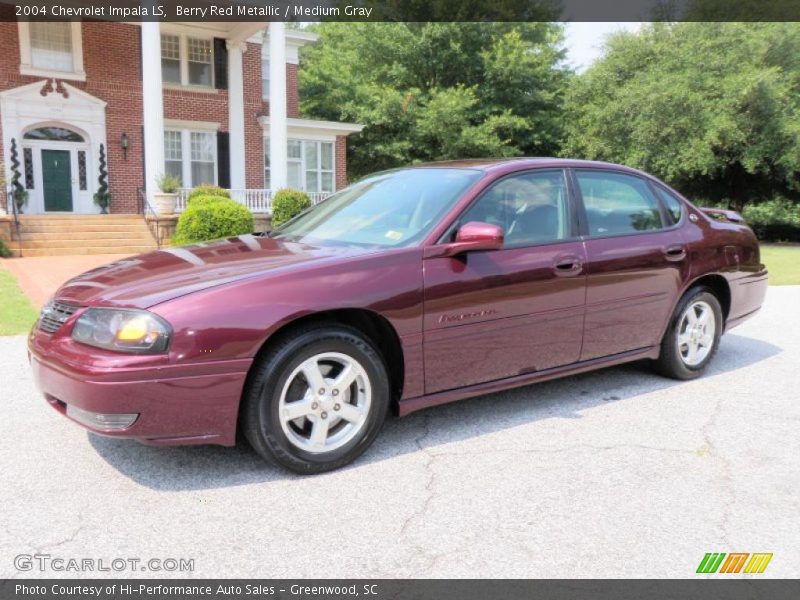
column 51, row 235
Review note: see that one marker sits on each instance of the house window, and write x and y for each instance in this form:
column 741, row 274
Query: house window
column 191, row 156
column 265, row 79
column 310, row 165
column 51, row 46
column 173, row 154
column 201, row 54
column 28, row 159
column 51, row 49
column 204, row 163
column 171, row 58
column 82, row 170
column 54, row 134
column 187, row 60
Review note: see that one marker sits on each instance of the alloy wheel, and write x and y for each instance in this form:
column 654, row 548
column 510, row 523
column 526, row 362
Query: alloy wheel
column 696, row 333
column 325, row 402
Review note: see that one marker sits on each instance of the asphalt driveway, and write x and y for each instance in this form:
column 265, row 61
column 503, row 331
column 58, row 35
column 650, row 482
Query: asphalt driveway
column 618, row 473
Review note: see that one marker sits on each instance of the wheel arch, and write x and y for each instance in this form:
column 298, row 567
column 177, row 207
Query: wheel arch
column 375, row 327
column 718, row 285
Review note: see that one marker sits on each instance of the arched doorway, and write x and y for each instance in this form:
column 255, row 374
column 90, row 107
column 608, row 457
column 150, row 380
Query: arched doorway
column 55, row 165
column 44, row 121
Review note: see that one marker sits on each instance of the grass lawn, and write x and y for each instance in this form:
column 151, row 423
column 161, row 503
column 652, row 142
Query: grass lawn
column 17, row 314
column 783, row 263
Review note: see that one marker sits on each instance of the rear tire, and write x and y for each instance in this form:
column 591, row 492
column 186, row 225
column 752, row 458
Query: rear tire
column 692, row 337
column 317, row 400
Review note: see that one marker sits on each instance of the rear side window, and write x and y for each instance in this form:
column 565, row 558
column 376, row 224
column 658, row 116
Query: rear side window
column 673, row 204
column 617, row 204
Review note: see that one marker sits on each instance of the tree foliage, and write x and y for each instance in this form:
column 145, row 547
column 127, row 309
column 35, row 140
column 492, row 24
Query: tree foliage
column 710, row 107
column 434, row 91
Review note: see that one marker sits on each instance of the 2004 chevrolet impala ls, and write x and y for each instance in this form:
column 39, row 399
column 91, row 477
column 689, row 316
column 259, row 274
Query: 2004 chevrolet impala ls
column 411, row 288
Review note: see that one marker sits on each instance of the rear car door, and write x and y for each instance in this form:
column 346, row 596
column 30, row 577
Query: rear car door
column 636, row 261
column 496, row 314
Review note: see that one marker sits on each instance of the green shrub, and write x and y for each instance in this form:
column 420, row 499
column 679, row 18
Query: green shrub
column 208, row 190
column 169, row 184
column 5, row 252
column 776, row 220
column 210, row 218
column 198, row 200
column 288, row 203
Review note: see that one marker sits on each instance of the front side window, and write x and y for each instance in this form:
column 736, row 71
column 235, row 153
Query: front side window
column 531, row 208
column 390, row 209
column 617, row 204
column 51, row 46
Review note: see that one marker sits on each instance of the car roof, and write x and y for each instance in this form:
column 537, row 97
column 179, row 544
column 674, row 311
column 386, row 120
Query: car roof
column 513, row 164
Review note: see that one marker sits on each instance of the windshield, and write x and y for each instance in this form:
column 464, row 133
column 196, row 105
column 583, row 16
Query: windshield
column 393, row 208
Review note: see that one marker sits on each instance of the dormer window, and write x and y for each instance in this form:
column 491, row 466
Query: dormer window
column 51, row 49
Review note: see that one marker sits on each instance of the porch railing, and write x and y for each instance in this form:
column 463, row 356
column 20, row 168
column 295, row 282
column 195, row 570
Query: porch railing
column 258, row 201
column 149, row 214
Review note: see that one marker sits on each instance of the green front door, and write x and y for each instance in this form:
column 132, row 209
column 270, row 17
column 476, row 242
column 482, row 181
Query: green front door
column 57, row 176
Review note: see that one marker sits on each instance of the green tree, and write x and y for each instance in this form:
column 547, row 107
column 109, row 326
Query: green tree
column 712, row 108
column 435, row 91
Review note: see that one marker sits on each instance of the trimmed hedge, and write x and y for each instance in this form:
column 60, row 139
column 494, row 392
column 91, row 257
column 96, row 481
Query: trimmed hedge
column 5, row 251
column 207, row 190
column 288, row 203
column 211, row 218
column 776, row 220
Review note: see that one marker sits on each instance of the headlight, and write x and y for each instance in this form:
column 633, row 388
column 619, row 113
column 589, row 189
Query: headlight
column 122, row 330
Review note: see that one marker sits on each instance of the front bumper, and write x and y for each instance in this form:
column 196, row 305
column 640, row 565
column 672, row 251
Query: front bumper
column 173, row 404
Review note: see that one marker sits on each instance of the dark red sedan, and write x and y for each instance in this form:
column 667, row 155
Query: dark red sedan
column 411, row 288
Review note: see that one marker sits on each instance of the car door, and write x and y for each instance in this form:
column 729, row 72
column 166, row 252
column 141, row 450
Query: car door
column 636, row 262
column 494, row 314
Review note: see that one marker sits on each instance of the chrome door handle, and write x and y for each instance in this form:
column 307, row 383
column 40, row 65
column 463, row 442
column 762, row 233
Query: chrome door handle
column 675, row 253
column 568, row 265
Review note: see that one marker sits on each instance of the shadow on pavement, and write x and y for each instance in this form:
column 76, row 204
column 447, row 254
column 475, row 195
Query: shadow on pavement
column 209, row 467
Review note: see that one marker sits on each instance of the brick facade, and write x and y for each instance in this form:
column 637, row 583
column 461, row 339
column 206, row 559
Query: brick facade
column 292, row 94
column 112, row 61
column 341, row 161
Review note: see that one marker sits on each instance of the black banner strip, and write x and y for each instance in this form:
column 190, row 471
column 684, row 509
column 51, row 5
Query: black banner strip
column 729, row 588
column 401, row 10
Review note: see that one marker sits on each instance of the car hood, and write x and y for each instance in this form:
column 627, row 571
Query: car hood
column 149, row 279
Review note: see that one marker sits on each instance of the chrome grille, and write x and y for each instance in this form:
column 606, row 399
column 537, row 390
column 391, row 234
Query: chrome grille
column 54, row 315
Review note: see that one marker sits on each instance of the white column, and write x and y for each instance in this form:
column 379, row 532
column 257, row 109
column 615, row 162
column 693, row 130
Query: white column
column 236, row 114
column 277, row 105
column 153, row 102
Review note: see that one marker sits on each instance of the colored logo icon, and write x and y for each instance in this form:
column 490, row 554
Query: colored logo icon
column 736, row 562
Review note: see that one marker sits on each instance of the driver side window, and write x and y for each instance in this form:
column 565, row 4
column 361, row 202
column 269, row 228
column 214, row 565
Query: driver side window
column 531, row 207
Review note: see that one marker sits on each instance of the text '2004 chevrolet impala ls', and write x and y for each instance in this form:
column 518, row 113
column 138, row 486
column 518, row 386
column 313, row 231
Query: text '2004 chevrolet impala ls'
column 408, row 289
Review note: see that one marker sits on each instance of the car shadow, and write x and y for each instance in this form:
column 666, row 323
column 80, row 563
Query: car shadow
column 185, row 468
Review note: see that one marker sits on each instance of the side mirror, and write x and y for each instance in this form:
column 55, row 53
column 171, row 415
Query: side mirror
column 471, row 237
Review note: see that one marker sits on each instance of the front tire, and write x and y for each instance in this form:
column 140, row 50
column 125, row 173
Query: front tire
column 317, row 400
column 692, row 337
